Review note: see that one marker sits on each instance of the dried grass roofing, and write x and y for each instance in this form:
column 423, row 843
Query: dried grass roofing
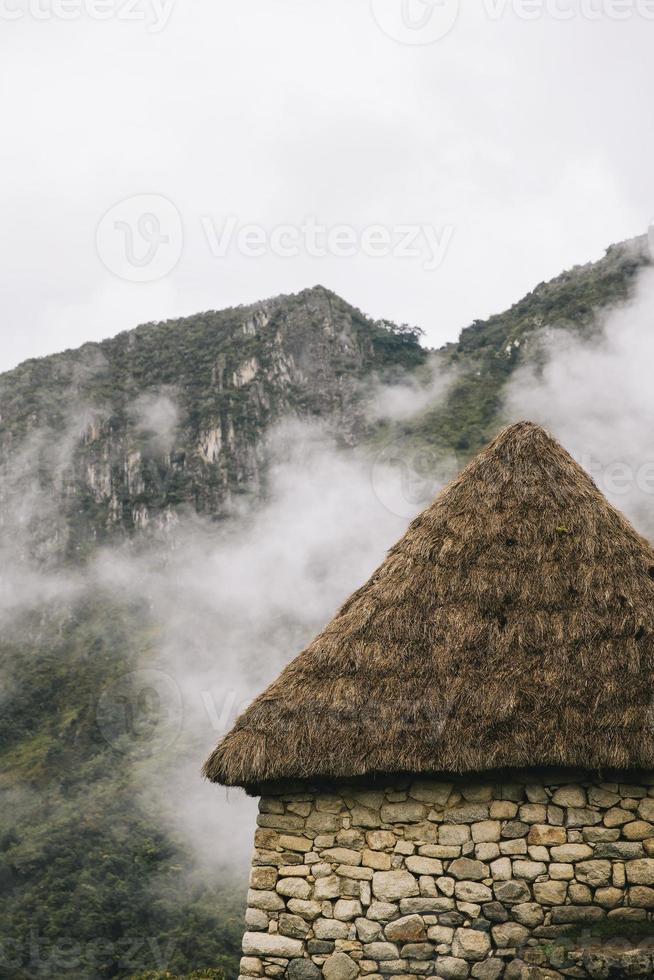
column 511, row 626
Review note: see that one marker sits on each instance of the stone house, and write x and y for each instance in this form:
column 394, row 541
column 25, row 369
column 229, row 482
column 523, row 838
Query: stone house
column 457, row 775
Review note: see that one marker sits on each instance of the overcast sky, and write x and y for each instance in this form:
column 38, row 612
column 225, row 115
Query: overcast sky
column 499, row 153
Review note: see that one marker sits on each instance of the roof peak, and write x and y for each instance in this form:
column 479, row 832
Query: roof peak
column 511, row 626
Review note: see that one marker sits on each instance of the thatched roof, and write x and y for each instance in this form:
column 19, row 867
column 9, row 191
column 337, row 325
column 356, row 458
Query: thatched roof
column 511, row 626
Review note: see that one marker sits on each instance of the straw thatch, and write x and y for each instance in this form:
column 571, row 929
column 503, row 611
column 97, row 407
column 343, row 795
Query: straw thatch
column 512, row 625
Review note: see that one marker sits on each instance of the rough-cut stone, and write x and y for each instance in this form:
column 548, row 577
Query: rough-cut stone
column 265, row 944
column 570, row 853
column 251, row 966
column 640, row 872
column 546, row 834
column 293, row 926
column 409, row 812
column 472, row 891
column 609, row 898
column 487, row 831
column 326, row 888
column 389, row 886
column 367, row 931
column 515, row 828
column 303, row 970
column 511, row 892
column 378, row 860
column 528, row 914
column 490, row 969
column 596, row 874
column 339, row 966
column 510, row 934
column 424, row 866
column 306, row 910
column 464, row 868
column 641, row 897
column 453, row 834
column 529, row 870
column 532, row 813
column 574, row 796
column 256, row 920
column 470, row 944
column 581, row 817
column 561, row 872
column 267, row 901
column 347, row 909
column 383, row 911
column 381, row 951
column 550, row 892
column 646, row 810
column 380, row 840
column 410, row 928
column 616, row 817
column 330, row 929
column 451, row 968
column 430, row 792
column 469, row 813
column 620, row 851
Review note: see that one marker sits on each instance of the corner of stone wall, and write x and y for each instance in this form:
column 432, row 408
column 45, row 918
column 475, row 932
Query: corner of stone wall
column 453, row 879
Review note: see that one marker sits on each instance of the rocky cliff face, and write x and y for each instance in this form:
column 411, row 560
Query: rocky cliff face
column 128, row 433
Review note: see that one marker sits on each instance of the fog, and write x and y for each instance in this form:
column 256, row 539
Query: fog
column 597, row 396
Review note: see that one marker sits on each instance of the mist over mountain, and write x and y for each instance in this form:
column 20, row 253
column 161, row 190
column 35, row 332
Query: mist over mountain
column 181, row 508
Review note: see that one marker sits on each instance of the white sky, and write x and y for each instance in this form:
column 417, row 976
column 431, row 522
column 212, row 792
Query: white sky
column 532, row 140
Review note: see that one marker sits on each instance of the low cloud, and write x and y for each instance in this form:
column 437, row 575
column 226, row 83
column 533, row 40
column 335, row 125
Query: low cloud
column 595, row 393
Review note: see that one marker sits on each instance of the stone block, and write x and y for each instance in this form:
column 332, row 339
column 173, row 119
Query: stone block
column 596, row 874
column 339, row 966
column 409, row 928
column 509, row 934
column 451, row 968
column 550, row 892
column 640, row 872
column 265, row 944
column 570, row 796
column 389, row 886
column 424, row 866
column 409, row 812
column 470, row 945
column 546, row 835
column 466, row 869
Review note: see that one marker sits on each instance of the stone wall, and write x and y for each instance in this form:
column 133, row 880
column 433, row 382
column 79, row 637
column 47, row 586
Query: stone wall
column 452, row 879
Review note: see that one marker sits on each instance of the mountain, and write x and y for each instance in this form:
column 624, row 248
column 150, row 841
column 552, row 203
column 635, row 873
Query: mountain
column 130, row 432
column 110, row 450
